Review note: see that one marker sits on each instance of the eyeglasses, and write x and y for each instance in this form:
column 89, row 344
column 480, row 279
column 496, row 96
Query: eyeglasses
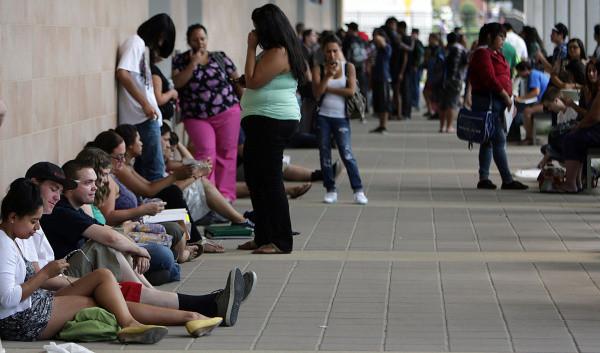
column 119, row 157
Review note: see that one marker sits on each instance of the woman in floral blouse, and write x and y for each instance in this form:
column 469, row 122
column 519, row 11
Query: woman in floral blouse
column 210, row 107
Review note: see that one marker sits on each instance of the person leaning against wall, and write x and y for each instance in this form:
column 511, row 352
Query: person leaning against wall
column 137, row 103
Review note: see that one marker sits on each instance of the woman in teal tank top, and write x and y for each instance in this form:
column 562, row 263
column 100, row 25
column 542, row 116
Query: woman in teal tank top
column 270, row 117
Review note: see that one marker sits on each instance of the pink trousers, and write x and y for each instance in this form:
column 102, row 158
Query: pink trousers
column 217, row 137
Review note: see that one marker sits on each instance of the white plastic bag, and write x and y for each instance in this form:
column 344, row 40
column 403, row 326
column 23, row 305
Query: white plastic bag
column 66, row 348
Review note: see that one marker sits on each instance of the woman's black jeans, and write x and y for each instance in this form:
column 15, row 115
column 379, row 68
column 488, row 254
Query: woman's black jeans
column 263, row 152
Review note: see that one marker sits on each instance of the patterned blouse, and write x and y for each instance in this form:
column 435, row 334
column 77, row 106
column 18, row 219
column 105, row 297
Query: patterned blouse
column 208, row 92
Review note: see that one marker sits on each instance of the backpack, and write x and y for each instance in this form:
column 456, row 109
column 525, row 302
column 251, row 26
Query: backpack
column 358, row 51
column 418, row 54
column 436, row 71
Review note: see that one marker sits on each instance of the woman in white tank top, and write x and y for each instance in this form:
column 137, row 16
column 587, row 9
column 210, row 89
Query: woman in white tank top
column 333, row 83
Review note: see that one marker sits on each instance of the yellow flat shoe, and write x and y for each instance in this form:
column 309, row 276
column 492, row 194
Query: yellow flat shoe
column 202, row 327
column 146, row 334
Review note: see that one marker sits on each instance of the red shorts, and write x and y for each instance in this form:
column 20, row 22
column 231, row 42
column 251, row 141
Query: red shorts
column 132, row 291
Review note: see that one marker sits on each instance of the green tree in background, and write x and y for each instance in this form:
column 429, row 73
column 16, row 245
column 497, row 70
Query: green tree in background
column 468, row 16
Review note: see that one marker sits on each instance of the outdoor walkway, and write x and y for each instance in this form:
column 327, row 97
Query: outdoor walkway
column 430, row 265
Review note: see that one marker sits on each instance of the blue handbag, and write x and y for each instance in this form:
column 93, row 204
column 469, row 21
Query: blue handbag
column 475, row 127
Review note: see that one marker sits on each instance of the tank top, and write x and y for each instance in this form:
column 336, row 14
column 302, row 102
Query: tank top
column 275, row 100
column 334, row 105
column 126, row 198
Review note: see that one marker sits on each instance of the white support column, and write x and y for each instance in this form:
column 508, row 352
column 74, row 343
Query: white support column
column 577, row 19
column 561, row 12
column 549, row 21
column 592, row 18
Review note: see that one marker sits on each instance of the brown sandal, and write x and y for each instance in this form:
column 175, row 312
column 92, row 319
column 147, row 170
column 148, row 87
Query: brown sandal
column 269, row 249
column 249, row 245
column 300, row 190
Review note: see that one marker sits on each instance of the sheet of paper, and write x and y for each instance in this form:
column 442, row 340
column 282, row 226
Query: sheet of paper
column 509, row 115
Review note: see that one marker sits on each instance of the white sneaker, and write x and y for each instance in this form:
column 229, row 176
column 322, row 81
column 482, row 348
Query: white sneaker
column 360, row 198
column 330, row 197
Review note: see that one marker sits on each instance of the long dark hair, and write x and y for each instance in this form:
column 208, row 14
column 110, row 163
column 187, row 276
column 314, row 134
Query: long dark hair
column 106, row 140
column 274, row 31
column 582, row 55
column 23, row 198
column 156, row 28
column 531, row 36
column 128, row 132
column 489, row 32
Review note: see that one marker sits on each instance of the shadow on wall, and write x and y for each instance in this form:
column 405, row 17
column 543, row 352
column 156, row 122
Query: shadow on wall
column 2, row 111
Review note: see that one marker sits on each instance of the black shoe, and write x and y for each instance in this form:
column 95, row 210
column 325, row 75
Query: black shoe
column 379, row 130
column 486, row 184
column 435, row 116
column 228, row 300
column 250, row 279
column 514, row 185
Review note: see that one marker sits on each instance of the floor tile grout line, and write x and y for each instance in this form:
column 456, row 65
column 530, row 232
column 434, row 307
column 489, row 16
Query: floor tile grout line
column 590, row 276
column 493, row 285
column 184, row 280
column 354, row 226
column 553, row 229
column 330, row 306
column 272, row 308
column 443, row 307
column 314, row 228
column 587, row 223
column 386, row 310
column 440, row 286
column 562, row 317
column 394, row 229
column 512, row 227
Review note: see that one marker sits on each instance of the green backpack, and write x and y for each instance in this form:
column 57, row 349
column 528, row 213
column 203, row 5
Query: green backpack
column 90, row 325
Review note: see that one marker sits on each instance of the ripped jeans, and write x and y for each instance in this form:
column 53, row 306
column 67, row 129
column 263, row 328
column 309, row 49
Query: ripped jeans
column 339, row 128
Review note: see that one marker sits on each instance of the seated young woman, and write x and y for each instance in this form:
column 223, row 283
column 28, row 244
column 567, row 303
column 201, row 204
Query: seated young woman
column 210, row 198
column 29, row 312
column 116, row 204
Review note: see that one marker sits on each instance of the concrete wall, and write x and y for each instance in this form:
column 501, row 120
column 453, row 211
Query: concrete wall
column 57, row 62
column 579, row 15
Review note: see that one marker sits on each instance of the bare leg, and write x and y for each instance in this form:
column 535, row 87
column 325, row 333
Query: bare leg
column 154, row 315
column 442, row 120
column 571, row 176
column 383, row 119
column 160, row 298
column 396, row 99
column 450, row 115
column 297, row 173
column 528, row 120
column 128, row 274
column 102, row 286
column 64, row 309
column 241, row 190
column 219, row 204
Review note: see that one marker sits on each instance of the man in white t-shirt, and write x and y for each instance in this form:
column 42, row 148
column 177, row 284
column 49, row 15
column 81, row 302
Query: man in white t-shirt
column 137, row 103
column 516, row 41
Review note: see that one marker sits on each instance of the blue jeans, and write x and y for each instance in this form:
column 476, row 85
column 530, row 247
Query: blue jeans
column 161, row 258
column 340, row 129
column 150, row 164
column 496, row 146
column 415, row 85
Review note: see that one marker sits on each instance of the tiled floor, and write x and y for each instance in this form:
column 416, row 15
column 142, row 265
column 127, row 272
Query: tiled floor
column 430, row 265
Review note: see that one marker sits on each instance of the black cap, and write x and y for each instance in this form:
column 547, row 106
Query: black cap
column 49, row 171
column 561, row 28
column 353, row 26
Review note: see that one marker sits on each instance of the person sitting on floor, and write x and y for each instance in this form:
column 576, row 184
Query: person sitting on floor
column 29, row 312
column 223, row 303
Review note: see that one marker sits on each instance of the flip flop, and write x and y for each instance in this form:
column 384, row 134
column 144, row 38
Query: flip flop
column 249, row 245
column 146, row 334
column 193, row 254
column 303, row 189
column 269, row 249
column 210, row 247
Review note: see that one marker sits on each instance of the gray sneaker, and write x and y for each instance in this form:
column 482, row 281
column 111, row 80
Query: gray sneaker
column 229, row 299
column 249, row 283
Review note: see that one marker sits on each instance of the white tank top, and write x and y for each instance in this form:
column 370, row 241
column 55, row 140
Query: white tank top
column 334, row 105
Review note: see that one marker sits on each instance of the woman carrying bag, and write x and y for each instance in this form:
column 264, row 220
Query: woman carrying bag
column 333, row 83
column 489, row 76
